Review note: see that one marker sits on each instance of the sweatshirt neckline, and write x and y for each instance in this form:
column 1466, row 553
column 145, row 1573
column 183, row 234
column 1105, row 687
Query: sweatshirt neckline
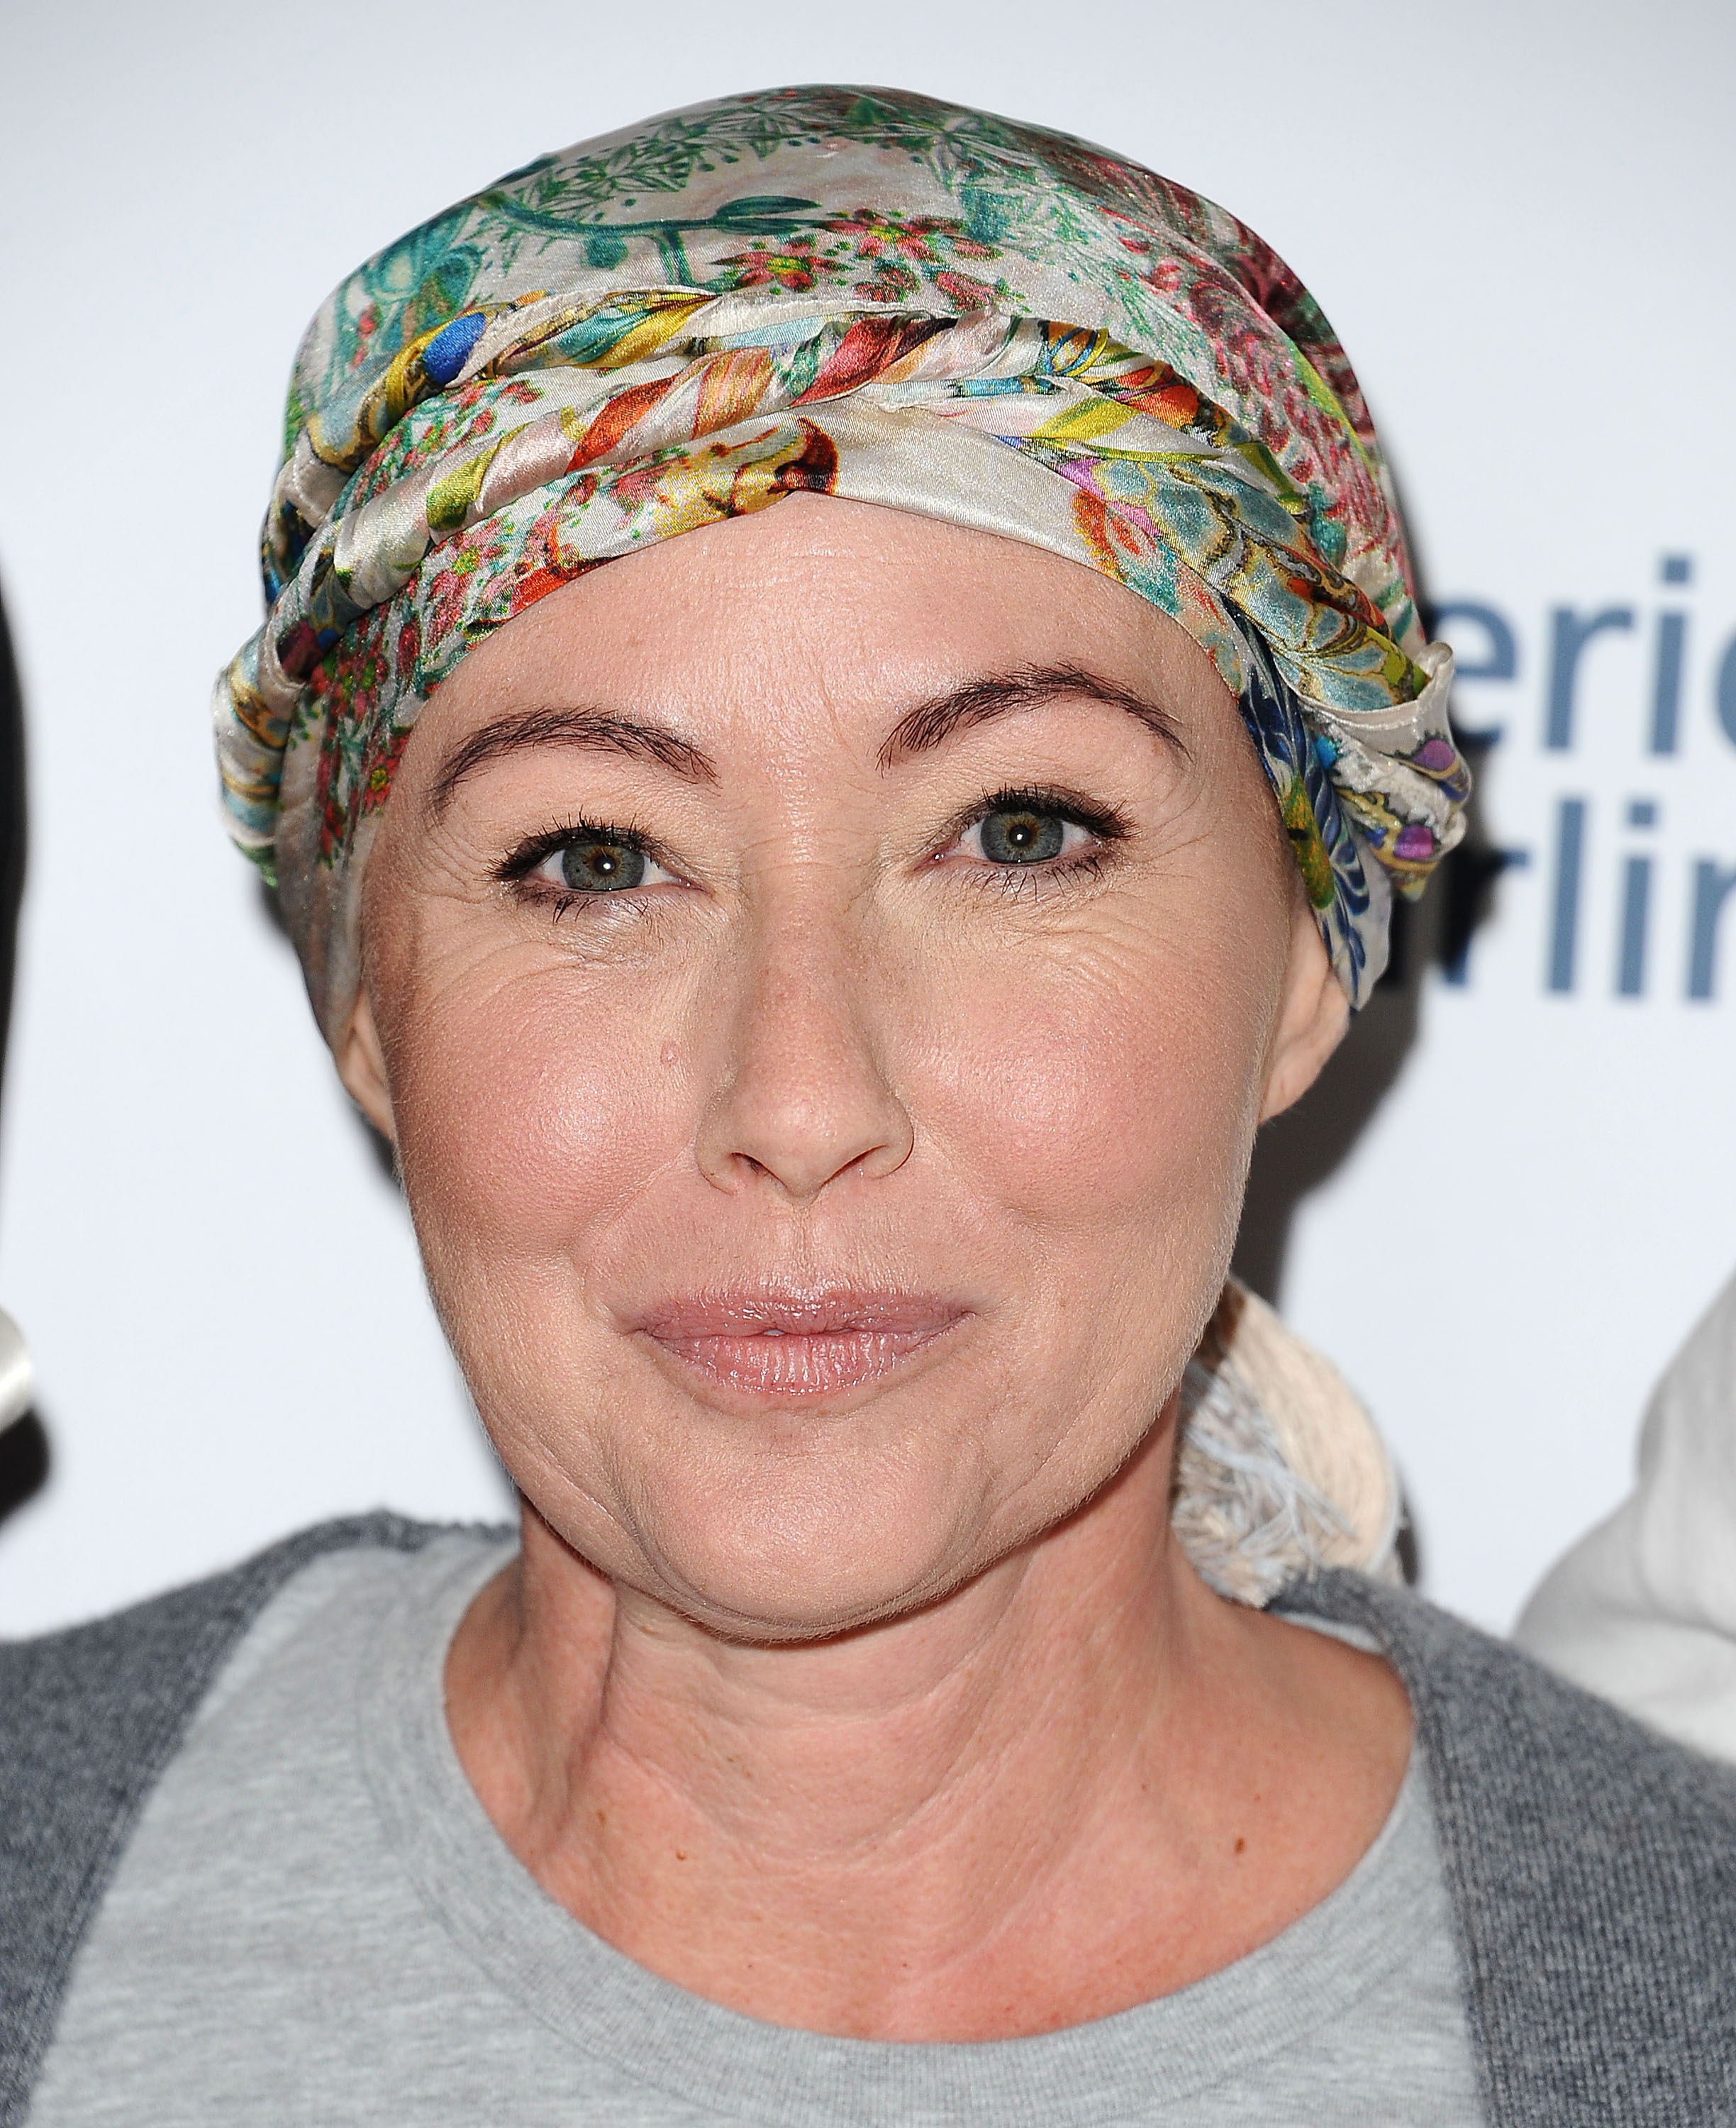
column 599, row 2001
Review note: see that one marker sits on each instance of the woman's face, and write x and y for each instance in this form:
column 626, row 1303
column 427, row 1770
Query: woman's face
column 825, row 974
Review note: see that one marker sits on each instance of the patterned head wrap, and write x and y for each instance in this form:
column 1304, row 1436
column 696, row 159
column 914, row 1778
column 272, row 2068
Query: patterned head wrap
column 854, row 292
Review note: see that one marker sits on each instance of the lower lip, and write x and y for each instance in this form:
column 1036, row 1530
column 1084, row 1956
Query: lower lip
column 797, row 1364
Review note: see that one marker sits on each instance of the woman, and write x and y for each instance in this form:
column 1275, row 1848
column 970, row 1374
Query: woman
column 822, row 976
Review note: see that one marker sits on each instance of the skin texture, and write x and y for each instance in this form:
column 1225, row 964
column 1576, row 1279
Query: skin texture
column 885, row 1705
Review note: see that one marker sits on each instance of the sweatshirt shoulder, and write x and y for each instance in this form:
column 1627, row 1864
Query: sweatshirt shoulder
column 1536, row 1742
column 89, row 1717
column 141, row 1653
column 1592, row 1867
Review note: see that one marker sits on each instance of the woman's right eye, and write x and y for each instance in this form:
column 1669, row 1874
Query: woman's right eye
column 600, row 864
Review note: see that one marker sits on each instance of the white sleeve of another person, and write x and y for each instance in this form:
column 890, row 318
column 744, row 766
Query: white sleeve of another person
column 1642, row 1609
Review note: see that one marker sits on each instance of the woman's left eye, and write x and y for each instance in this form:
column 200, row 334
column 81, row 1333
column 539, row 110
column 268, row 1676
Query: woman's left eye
column 600, row 864
column 1024, row 834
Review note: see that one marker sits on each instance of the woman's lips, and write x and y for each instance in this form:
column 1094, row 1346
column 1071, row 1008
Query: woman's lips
column 805, row 1347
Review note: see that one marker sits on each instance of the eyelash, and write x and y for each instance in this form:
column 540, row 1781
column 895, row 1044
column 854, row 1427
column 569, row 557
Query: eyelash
column 1107, row 826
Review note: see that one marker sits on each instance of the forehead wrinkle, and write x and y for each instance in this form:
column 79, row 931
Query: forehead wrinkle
column 932, row 723
column 593, row 730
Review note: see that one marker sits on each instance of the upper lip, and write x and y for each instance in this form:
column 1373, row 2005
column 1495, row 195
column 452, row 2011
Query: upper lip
column 833, row 1311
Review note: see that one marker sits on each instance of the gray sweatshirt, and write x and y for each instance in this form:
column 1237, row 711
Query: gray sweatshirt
column 1591, row 1866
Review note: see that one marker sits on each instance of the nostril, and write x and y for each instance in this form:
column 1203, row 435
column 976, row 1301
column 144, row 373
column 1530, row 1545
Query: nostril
column 801, row 1147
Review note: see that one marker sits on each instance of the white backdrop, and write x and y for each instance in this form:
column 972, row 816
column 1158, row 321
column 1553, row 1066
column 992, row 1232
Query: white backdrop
column 1517, row 214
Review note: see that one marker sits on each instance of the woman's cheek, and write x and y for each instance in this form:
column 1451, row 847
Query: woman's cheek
column 1108, row 1072
column 539, row 1108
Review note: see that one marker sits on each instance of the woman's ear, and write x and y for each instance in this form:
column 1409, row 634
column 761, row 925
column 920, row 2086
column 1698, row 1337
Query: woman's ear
column 362, row 1067
column 1313, row 1015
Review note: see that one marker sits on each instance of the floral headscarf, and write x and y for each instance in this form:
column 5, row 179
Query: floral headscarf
column 854, row 292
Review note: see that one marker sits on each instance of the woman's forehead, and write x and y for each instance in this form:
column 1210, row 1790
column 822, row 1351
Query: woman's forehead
column 822, row 627
column 821, row 601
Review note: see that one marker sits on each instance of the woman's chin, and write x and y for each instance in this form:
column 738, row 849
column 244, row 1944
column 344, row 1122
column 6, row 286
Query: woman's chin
column 798, row 1557
column 793, row 1498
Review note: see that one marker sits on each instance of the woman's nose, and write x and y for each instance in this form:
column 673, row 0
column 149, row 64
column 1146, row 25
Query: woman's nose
column 803, row 1099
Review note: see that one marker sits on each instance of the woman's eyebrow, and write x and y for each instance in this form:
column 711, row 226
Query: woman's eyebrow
column 1006, row 694
column 598, row 730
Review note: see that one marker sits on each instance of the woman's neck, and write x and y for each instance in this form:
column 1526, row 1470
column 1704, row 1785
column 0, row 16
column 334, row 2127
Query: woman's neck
column 1077, row 1782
